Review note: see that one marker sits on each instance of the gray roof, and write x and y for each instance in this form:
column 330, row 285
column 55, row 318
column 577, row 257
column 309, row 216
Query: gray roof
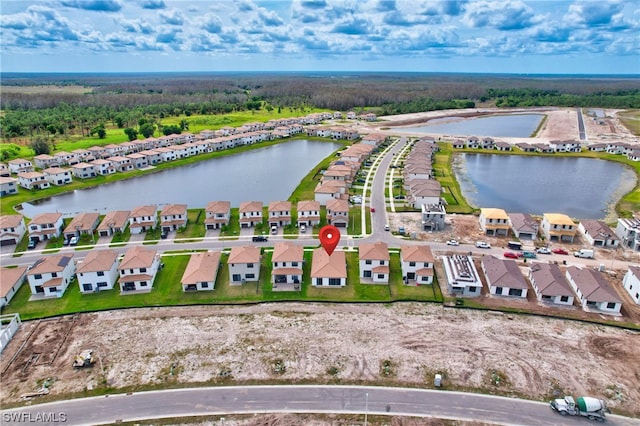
column 550, row 280
column 592, row 285
column 523, row 222
column 503, row 273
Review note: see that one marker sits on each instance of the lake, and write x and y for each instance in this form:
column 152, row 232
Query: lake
column 265, row 174
column 511, row 126
column 583, row 188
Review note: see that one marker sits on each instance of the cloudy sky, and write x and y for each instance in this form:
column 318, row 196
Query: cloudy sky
column 506, row 36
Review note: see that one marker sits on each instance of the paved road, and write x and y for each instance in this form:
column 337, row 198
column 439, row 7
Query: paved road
column 217, row 402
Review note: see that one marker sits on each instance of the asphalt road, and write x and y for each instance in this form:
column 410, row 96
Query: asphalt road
column 218, row 402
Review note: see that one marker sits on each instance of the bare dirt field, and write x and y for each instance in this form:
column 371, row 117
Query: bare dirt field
column 399, row 344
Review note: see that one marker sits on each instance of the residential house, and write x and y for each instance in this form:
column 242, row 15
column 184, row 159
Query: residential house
column 565, row 146
column 50, row 275
column 594, row 292
column 143, row 218
column 597, row 147
column 550, row 284
column 4, row 170
column 201, row 271
column 417, row 264
column 327, row 190
column 8, row 186
column 462, row 276
column 244, row 264
column 250, row 213
column 628, row 230
column 433, row 216
column 103, row 167
column 121, row 164
column 504, row 277
column 84, row 170
column 287, row 261
column 173, row 217
column 374, row 262
column 558, row 227
column 138, row 160
column 82, row 224
column 473, row 142
column 526, row 147
column 12, row 229
column 11, row 279
column 598, row 233
column 375, row 139
column 631, row 283
column 424, row 191
column 33, row 180
column 57, row 176
column 113, row 222
column 503, row 146
column 217, row 214
column 20, row 165
column 494, row 221
column 328, row 271
column 98, row 271
column 45, row 226
column 138, row 269
column 308, row 213
column 523, row 226
column 338, row 213
column 279, row 213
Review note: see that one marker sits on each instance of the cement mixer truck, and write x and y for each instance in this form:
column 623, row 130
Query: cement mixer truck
column 585, row 406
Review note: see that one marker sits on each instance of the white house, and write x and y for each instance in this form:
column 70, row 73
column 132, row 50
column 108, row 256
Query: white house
column 287, row 261
column 50, row 276
column 250, row 213
column 279, row 213
column 20, row 165
column 374, row 262
column 631, row 283
column 143, row 218
column 594, row 292
column 8, row 186
column 57, row 176
column 138, row 269
column 417, row 264
column 114, row 221
column 338, row 213
column 308, row 213
column 523, row 226
column 504, row 277
column 628, row 230
column 462, row 276
column 98, row 271
column 201, row 271
column 45, row 226
column 33, row 180
column 12, row 229
column 598, row 233
column 217, row 214
column 550, row 284
column 244, row 264
column 328, row 271
column 494, row 221
column 11, row 279
column 173, row 217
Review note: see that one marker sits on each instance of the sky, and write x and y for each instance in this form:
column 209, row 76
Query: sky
column 476, row 36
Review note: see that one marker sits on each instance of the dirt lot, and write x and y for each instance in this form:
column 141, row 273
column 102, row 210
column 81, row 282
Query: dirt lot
column 337, row 343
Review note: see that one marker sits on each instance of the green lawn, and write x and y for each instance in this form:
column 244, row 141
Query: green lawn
column 195, row 230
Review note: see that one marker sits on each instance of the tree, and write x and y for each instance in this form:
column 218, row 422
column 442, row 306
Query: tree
column 99, row 130
column 171, row 130
column 131, row 133
column 147, row 130
column 40, row 146
column 184, row 124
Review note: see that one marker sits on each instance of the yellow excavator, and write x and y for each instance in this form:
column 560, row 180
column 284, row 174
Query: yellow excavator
column 84, row 359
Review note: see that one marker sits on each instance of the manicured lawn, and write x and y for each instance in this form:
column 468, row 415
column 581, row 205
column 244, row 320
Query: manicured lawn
column 444, row 174
column 120, row 238
column 194, row 230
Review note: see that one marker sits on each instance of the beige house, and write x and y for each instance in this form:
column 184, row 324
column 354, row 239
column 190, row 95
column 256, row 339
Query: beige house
column 201, row 271
column 287, row 261
column 244, row 264
column 374, row 262
column 250, row 214
column 113, row 222
column 494, row 221
column 558, row 227
column 328, row 271
column 217, row 214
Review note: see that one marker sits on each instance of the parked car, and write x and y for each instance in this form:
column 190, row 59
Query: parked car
column 399, row 197
column 259, row 239
column 65, row 242
column 453, row 243
column 511, row 255
column 373, row 210
column 386, row 227
column 164, row 235
column 483, row 244
column 543, row 250
column 560, row 251
column 73, row 241
column 303, row 229
column 529, row 254
column 32, row 244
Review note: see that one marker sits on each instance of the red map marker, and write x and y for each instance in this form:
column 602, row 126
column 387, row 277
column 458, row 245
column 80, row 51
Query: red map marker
column 329, row 238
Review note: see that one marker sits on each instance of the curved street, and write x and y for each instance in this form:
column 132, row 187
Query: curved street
column 220, row 401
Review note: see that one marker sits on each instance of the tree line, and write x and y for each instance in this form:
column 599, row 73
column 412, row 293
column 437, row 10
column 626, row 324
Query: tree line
column 136, row 102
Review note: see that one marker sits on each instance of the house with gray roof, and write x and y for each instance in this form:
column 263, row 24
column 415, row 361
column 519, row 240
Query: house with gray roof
column 504, row 277
column 594, row 292
column 523, row 226
column 598, row 233
column 550, row 284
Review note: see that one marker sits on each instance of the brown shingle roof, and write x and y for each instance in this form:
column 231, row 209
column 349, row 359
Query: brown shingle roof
column 143, row 211
column 244, row 254
column 285, row 252
column 337, row 205
column 325, row 266
column 218, row 207
column 375, row 251
column 137, row 257
column 308, row 205
column 174, row 209
column 10, row 277
column 503, row 273
column 277, row 206
column 45, row 218
column 98, row 260
column 250, row 206
column 83, row 222
column 202, row 267
column 592, row 285
column 10, row 221
column 115, row 219
column 549, row 280
column 417, row 254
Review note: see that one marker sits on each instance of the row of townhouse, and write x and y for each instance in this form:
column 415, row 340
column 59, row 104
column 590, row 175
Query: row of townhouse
column 550, row 285
column 554, row 226
column 631, row 151
column 338, row 177
column 100, row 270
column 489, row 143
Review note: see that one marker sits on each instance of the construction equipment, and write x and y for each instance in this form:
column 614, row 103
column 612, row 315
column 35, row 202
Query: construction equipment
column 585, row 406
column 84, row 359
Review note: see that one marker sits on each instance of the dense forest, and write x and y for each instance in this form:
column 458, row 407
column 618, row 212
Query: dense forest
column 126, row 101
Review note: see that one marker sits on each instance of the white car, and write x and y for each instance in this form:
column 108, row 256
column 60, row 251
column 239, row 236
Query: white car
column 544, row 250
column 483, row 244
column 303, row 229
column 453, row 243
column 386, row 227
